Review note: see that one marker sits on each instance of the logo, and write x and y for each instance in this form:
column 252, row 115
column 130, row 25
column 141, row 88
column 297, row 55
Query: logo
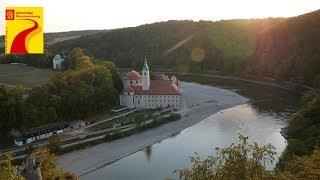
column 9, row 14
column 24, row 30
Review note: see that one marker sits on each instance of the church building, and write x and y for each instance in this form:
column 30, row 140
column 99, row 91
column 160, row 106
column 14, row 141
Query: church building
column 141, row 92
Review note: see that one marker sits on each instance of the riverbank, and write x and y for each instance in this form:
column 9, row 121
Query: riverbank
column 199, row 102
column 285, row 85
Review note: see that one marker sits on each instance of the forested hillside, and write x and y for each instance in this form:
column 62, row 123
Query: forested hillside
column 285, row 49
column 303, row 133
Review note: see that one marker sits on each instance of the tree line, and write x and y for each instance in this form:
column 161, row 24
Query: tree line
column 303, row 133
column 37, row 60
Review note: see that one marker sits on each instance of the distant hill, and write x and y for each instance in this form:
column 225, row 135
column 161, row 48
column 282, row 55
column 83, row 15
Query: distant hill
column 52, row 38
column 277, row 48
column 281, row 48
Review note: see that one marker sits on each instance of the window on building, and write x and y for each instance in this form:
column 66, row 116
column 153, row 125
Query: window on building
column 130, row 82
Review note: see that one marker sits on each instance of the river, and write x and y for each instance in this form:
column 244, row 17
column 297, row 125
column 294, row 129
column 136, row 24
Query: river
column 261, row 119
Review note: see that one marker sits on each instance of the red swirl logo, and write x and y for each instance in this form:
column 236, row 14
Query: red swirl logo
column 19, row 44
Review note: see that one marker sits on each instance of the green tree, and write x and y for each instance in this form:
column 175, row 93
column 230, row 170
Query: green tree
column 7, row 170
column 303, row 130
column 305, row 167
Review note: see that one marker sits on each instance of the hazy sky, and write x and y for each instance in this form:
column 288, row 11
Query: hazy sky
column 63, row 15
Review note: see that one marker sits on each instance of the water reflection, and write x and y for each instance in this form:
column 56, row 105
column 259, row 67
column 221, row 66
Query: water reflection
column 148, row 151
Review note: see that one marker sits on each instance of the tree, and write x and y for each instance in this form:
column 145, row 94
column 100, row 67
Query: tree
column 40, row 163
column 305, row 167
column 49, row 166
column 117, row 82
column 241, row 161
column 303, row 130
column 7, row 170
column 11, row 108
column 77, row 60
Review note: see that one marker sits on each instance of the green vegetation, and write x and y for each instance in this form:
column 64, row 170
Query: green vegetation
column 278, row 48
column 249, row 161
column 106, row 115
column 137, row 116
column 303, row 133
column 36, row 60
column 234, row 39
column 90, row 89
column 6, row 168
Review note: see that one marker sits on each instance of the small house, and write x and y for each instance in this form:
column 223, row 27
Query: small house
column 57, row 62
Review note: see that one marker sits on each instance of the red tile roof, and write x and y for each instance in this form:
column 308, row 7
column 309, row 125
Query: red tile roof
column 157, row 87
column 162, row 85
column 132, row 75
column 161, row 77
column 129, row 89
column 161, row 82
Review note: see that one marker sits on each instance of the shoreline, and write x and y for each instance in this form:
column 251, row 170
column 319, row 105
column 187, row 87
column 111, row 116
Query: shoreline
column 285, row 85
column 198, row 107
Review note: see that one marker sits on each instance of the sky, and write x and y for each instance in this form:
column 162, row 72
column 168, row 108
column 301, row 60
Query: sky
column 66, row 15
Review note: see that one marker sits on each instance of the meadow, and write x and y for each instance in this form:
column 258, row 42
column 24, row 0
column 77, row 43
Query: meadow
column 18, row 74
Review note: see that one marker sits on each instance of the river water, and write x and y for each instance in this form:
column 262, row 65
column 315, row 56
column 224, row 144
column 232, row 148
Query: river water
column 261, row 119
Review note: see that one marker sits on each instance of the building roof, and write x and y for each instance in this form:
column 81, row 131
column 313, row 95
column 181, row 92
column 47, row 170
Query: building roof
column 57, row 58
column 36, row 131
column 158, row 76
column 130, row 89
column 132, row 75
column 157, row 87
column 175, row 80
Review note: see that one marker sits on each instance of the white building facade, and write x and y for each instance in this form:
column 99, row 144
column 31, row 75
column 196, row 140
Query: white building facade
column 141, row 92
column 57, row 62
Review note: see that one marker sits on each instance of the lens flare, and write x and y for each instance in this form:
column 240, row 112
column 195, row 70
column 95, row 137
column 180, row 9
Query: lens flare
column 198, row 54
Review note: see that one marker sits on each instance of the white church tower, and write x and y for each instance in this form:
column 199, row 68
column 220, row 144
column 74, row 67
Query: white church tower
column 145, row 78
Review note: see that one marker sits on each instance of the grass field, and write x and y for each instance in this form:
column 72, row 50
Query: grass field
column 17, row 74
